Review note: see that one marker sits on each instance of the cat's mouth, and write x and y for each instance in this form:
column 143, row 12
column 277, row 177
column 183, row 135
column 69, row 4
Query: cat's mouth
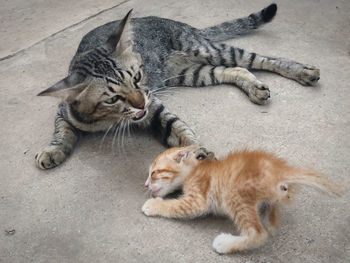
column 154, row 193
column 140, row 115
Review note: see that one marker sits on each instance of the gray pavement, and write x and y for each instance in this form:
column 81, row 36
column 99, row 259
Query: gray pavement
column 89, row 209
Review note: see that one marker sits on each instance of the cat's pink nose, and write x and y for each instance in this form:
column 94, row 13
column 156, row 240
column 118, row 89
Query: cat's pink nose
column 148, row 182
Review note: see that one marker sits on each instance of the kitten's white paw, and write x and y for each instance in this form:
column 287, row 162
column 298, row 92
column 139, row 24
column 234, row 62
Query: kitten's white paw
column 224, row 243
column 49, row 157
column 149, row 208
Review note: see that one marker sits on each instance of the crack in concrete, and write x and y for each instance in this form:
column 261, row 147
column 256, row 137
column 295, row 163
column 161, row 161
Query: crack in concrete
column 62, row 30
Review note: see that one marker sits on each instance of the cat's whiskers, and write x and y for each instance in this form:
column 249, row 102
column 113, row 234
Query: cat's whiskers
column 165, row 93
column 115, row 134
column 123, row 135
column 129, row 128
column 164, row 88
column 118, row 137
column 170, row 89
column 174, row 77
column 104, row 136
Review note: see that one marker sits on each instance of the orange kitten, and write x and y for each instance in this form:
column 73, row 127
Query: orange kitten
column 233, row 186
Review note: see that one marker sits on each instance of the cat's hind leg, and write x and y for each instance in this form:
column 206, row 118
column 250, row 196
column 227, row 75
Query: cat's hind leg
column 303, row 73
column 252, row 235
column 274, row 218
column 229, row 56
column 199, row 75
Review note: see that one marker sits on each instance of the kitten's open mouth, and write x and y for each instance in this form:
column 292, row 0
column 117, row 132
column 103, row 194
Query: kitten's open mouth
column 140, row 115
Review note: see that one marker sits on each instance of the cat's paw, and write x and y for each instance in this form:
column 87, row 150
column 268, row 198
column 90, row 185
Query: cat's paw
column 309, row 75
column 224, row 243
column 258, row 92
column 203, row 154
column 49, row 157
column 149, row 208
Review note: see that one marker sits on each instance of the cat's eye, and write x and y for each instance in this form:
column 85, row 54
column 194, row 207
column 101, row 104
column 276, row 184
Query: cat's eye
column 114, row 99
column 137, row 77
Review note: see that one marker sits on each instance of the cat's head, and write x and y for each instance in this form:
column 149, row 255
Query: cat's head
column 169, row 170
column 106, row 82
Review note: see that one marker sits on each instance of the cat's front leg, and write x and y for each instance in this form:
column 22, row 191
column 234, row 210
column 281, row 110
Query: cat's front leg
column 171, row 130
column 64, row 139
column 175, row 208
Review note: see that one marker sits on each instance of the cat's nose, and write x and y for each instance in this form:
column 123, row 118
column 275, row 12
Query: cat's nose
column 137, row 100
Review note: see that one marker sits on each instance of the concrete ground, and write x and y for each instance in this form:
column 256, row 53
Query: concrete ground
column 89, row 208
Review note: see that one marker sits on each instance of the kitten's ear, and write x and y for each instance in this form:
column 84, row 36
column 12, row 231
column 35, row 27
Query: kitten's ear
column 184, row 152
column 119, row 41
column 66, row 89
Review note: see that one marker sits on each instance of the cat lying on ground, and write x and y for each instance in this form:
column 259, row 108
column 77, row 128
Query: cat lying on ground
column 121, row 68
column 234, row 186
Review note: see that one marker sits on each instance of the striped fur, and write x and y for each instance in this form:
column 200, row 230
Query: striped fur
column 229, row 30
column 122, row 68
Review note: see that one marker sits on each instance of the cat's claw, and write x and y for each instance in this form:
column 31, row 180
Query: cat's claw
column 49, row 157
column 203, row 154
column 149, row 207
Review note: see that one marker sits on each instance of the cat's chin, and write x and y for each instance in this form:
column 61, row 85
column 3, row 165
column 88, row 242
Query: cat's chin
column 159, row 192
column 156, row 193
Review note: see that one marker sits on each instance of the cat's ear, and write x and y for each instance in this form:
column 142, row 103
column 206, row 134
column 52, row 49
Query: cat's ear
column 184, row 153
column 66, row 89
column 120, row 40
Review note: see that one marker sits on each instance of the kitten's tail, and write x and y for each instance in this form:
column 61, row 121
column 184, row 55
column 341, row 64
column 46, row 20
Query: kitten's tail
column 240, row 26
column 303, row 176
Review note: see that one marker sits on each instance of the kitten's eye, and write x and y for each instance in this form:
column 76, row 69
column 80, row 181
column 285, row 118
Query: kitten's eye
column 137, row 77
column 114, row 99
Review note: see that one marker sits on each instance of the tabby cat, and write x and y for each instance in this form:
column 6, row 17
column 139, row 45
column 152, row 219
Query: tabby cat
column 120, row 68
column 235, row 186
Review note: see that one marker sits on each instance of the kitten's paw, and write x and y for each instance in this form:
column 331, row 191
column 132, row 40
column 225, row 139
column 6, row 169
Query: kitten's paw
column 203, row 154
column 49, row 157
column 258, row 92
column 224, row 243
column 149, row 208
column 309, row 75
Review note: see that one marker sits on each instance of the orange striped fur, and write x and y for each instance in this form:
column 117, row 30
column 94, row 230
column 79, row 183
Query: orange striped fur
column 234, row 186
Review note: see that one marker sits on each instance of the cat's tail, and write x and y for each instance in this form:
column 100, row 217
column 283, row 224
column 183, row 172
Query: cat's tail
column 303, row 176
column 240, row 26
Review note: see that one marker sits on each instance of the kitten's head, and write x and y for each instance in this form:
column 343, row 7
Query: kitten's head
column 169, row 170
column 106, row 82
